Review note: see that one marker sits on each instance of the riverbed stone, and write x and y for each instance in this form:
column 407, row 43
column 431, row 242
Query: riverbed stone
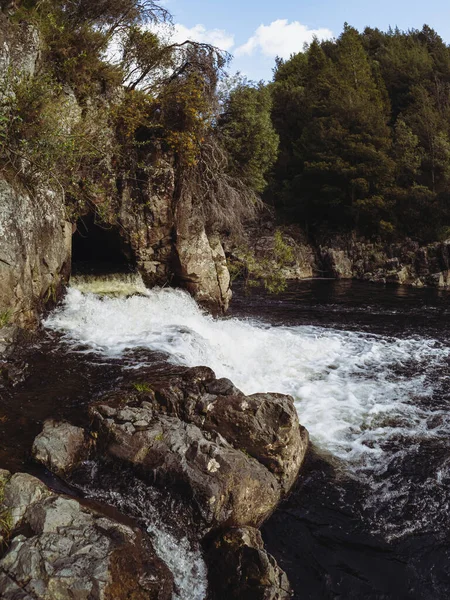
column 60, row 446
column 61, row 549
column 234, row 455
column 241, row 569
column 265, row 426
column 226, row 486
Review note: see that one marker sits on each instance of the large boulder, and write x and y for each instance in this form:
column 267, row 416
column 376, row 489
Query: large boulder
column 60, row 447
column 225, row 485
column 241, row 569
column 265, row 426
column 234, row 455
column 336, row 263
column 58, row 548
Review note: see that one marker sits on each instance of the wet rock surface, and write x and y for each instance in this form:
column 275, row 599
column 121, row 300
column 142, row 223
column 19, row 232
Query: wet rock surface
column 58, row 548
column 265, row 426
column 225, row 485
column 60, row 447
column 234, row 456
column 231, row 457
column 244, row 570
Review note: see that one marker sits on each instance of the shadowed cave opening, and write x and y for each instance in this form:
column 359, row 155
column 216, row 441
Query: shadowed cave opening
column 99, row 249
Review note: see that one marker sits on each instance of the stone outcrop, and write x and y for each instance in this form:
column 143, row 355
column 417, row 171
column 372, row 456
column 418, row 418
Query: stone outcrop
column 20, row 50
column 160, row 232
column 164, row 237
column 350, row 257
column 147, row 225
column 202, row 263
column 225, row 485
column 336, row 263
column 60, row 447
column 35, row 251
column 35, row 238
column 265, row 426
column 243, row 569
column 233, row 455
column 376, row 261
column 58, row 548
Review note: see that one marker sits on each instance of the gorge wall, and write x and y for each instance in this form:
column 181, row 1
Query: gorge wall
column 161, row 235
column 160, row 231
column 348, row 256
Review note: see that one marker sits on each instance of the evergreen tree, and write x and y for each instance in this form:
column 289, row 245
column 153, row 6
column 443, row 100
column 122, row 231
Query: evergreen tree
column 364, row 126
column 247, row 134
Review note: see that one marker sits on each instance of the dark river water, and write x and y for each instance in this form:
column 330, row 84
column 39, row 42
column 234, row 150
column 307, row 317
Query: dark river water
column 368, row 367
column 333, row 536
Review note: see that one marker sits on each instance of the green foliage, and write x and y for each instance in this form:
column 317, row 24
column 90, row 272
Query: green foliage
column 5, row 518
column 187, row 114
column 256, row 271
column 248, row 135
column 166, row 102
column 5, row 318
column 39, row 146
column 77, row 35
column 364, row 127
column 142, row 388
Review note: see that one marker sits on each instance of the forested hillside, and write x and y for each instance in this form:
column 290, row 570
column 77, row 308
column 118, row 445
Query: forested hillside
column 352, row 135
column 364, row 128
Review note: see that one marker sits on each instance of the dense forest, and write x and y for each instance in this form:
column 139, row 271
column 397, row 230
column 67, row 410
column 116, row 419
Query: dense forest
column 364, row 128
column 352, row 134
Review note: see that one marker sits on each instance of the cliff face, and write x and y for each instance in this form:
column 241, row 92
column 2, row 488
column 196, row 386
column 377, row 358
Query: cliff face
column 161, row 235
column 35, row 238
column 405, row 262
column 35, row 249
column 168, row 241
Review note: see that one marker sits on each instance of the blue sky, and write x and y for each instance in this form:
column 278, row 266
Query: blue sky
column 255, row 31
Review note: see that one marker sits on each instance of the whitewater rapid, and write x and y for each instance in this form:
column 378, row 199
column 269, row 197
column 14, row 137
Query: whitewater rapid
column 368, row 400
column 353, row 391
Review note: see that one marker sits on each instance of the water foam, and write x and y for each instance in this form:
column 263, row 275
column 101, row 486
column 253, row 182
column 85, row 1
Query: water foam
column 182, row 555
column 363, row 397
column 349, row 387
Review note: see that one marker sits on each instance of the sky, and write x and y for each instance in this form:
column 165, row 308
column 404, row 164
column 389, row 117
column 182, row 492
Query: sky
column 256, row 31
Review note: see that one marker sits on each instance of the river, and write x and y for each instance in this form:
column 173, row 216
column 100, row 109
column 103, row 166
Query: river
column 368, row 367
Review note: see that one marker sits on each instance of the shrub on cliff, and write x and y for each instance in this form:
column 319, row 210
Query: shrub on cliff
column 155, row 96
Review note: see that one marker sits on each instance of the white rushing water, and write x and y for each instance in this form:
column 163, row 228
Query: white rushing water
column 349, row 388
column 364, row 398
column 183, row 556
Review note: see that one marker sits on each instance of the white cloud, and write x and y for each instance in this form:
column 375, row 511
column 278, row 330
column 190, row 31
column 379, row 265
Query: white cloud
column 199, row 33
column 281, row 38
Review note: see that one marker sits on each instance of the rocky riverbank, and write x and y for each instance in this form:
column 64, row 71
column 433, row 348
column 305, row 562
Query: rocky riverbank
column 231, row 458
column 405, row 262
